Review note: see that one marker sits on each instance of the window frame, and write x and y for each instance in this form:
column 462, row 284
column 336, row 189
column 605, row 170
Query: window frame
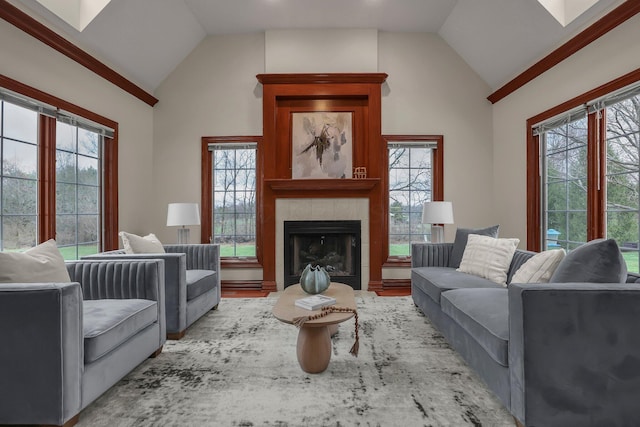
column 47, row 165
column 437, row 186
column 206, row 198
column 596, row 161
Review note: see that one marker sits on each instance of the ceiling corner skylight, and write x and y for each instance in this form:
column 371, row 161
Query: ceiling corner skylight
column 565, row 11
column 77, row 13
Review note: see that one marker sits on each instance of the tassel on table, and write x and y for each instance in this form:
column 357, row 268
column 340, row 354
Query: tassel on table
column 355, row 348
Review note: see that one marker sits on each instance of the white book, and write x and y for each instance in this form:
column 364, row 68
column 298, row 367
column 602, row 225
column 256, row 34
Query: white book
column 315, row 302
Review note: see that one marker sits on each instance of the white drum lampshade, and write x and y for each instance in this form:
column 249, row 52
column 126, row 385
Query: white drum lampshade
column 436, row 213
column 181, row 215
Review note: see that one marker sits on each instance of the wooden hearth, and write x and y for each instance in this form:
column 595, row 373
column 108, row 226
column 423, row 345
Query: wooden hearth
column 284, row 94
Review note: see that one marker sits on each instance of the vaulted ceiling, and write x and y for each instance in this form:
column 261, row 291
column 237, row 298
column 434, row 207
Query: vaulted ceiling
column 146, row 39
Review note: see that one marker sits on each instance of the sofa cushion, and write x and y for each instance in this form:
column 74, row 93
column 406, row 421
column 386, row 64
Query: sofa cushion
column 484, row 314
column 42, row 263
column 488, row 257
column 460, row 241
column 539, row 268
column 435, row 280
column 199, row 282
column 597, row 261
column 134, row 244
column 107, row 323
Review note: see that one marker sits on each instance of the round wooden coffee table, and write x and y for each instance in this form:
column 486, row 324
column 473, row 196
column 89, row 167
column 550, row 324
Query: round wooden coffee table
column 314, row 337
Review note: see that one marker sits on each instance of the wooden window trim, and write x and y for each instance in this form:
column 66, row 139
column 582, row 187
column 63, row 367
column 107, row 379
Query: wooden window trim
column 437, row 188
column 595, row 202
column 46, row 185
column 206, row 198
column 613, row 19
column 47, row 167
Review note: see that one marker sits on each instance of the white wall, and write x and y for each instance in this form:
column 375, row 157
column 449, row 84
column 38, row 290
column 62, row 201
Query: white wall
column 431, row 90
column 609, row 57
column 213, row 92
column 31, row 62
column 321, row 51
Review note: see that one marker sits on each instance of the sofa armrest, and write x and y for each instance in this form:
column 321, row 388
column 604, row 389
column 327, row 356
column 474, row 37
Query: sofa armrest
column 175, row 282
column 123, row 279
column 574, row 353
column 42, row 356
column 431, row 254
column 199, row 256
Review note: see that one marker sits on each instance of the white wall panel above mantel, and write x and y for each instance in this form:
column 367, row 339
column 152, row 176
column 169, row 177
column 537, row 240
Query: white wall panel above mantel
column 321, row 51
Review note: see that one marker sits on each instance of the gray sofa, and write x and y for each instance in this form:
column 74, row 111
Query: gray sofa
column 555, row 354
column 64, row 344
column 192, row 281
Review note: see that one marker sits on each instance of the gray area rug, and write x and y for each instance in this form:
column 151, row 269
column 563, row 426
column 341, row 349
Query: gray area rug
column 237, row 366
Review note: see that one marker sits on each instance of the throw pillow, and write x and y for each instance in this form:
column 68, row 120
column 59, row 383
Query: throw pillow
column 460, row 241
column 539, row 268
column 488, row 257
column 134, row 244
column 597, row 261
column 42, row 263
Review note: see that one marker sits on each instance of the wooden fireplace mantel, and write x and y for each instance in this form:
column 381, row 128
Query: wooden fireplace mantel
column 287, row 94
column 329, row 187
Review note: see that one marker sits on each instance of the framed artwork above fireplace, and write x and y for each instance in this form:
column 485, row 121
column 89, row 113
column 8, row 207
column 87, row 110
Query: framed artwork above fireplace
column 321, row 145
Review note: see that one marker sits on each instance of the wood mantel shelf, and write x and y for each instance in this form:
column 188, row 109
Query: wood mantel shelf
column 312, row 186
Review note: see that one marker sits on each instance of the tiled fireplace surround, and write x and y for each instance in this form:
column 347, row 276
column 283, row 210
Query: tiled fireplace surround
column 322, row 209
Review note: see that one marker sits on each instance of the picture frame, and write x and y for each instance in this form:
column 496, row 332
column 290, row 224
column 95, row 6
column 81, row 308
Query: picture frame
column 321, row 145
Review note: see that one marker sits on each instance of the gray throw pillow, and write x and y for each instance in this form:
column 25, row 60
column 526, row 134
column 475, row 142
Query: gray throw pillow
column 597, row 261
column 460, row 242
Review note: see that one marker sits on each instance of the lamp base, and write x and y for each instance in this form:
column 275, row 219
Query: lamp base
column 437, row 234
column 183, row 236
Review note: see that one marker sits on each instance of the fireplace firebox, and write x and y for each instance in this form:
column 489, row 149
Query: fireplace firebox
column 334, row 245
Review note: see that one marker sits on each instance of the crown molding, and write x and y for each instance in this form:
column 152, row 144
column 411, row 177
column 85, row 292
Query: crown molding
column 613, row 19
column 36, row 29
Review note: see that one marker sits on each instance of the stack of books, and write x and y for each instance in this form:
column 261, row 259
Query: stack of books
column 315, row 302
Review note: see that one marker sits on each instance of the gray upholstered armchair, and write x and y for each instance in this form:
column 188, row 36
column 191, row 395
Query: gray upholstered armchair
column 64, row 344
column 192, row 281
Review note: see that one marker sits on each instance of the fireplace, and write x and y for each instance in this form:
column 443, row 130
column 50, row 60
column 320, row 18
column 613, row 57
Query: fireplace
column 334, row 245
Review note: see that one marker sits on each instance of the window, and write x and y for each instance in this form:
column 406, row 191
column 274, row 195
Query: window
column 59, row 174
column 234, row 198
column 565, row 158
column 588, row 184
column 414, row 178
column 623, row 177
column 77, row 190
column 19, row 185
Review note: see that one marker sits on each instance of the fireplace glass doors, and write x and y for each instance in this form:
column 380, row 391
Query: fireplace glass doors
column 334, row 245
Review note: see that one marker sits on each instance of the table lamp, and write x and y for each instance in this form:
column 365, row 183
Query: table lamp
column 437, row 213
column 181, row 215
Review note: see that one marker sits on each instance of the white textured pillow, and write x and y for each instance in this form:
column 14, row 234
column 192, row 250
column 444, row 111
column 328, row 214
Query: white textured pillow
column 42, row 263
column 488, row 257
column 134, row 244
column 539, row 268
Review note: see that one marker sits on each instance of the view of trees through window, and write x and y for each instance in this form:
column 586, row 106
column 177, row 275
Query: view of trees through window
column 622, row 177
column 410, row 179
column 566, row 181
column 77, row 190
column 566, row 187
column 19, row 191
column 234, row 199
column 77, row 182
